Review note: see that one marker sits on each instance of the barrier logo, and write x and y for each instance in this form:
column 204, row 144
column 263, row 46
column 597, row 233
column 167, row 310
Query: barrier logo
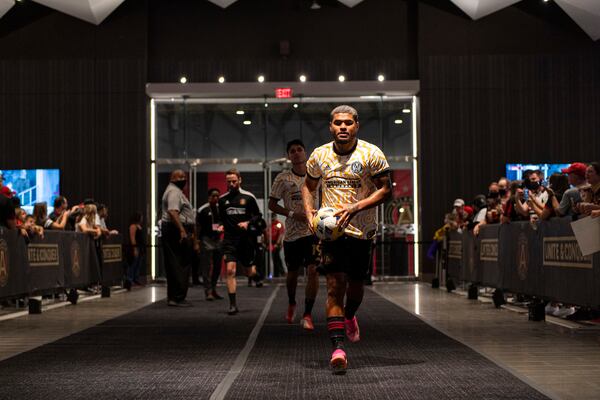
column 75, row 259
column 488, row 250
column 43, row 255
column 564, row 251
column 455, row 249
column 522, row 256
column 112, row 253
column 4, row 269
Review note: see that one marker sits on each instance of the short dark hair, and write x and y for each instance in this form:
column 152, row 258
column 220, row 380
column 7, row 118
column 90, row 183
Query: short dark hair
column 59, row 201
column 596, row 166
column 233, row 171
column 100, row 207
column 344, row 109
column 294, row 142
column 212, row 190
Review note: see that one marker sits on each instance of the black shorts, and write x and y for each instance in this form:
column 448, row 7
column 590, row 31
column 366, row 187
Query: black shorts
column 241, row 250
column 301, row 252
column 349, row 255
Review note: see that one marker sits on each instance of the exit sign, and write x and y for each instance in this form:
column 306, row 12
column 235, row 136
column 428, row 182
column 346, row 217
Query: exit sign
column 283, row 93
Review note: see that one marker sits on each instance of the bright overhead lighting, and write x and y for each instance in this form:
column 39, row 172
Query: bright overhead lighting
column 341, row 78
column 261, row 78
column 315, row 5
column 302, row 78
column 295, row 105
column 398, row 121
column 240, row 112
column 406, row 110
column 247, row 122
column 266, row 105
column 381, row 78
column 221, row 79
column 401, row 210
column 183, row 79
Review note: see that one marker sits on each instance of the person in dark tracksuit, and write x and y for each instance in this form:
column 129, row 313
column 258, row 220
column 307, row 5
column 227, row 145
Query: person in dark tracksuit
column 208, row 224
column 178, row 226
column 238, row 209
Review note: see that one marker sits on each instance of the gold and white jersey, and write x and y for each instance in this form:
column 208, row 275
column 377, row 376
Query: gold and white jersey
column 287, row 186
column 347, row 179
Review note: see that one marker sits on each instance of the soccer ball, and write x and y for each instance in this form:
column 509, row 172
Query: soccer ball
column 325, row 224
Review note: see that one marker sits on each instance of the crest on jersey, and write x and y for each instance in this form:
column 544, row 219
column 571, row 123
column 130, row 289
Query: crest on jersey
column 242, row 202
column 357, row 167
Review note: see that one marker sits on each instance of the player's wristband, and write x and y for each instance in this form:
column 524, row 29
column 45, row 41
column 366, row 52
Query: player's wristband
column 291, row 214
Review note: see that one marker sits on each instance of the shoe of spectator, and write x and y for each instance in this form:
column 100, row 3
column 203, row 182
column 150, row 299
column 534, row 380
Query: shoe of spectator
column 550, row 309
column 216, row 295
column 259, row 284
column 209, row 296
column 564, row 312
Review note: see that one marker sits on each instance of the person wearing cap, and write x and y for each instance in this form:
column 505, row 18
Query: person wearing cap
column 461, row 214
column 576, row 175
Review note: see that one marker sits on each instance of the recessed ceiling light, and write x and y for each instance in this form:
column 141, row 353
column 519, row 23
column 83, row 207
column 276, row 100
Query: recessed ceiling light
column 380, row 78
column 240, row 112
column 221, row 79
column 341, row 78
column 183, row 79
column 247, row 122
column 302, row 78
column 398, row 121
column 261, row 78
column 406, row 110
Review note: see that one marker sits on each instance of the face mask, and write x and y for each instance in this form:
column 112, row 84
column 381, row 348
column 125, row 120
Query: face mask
column 493, row 195
column 502, row 192
column 532, row 185
column 180, row 184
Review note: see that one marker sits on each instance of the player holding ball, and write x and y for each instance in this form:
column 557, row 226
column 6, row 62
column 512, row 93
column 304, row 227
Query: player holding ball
column 356, row 178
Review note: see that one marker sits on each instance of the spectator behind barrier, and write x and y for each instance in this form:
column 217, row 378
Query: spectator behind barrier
column 103, row 215
column 87, row 224
column 20, row 216
column 31, row 228
column 494, row 204
column 592, row 176
column 571, row 197
column 40, row 213
column 461, row 216
column 509, row 212
column 479, row 212
column 558, row 185
column 504, row 190
column 7, row 210
column 61, row 206
column 533, row 194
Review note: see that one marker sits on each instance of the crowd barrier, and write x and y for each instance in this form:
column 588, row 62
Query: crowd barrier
column 542, row 260
column 61, row 260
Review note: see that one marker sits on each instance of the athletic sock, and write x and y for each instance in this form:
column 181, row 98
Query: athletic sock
column 256, row 278
column 291, row 300
column 351, row 307
column 308, row 306
column 232, row 299
column 335, row 327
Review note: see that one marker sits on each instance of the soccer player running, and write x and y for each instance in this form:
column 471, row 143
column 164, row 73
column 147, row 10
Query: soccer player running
column 355, row 178
column 299, row 245
column 238, row 209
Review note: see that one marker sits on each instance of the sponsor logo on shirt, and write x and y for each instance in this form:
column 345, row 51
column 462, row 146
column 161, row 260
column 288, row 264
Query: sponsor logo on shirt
column 236, row 211
column 340, row 183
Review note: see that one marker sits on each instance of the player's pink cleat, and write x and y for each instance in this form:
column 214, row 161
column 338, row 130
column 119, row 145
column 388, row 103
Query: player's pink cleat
column 352, row 330
column 339, row 362
column 307, row 323
column 290, row 314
